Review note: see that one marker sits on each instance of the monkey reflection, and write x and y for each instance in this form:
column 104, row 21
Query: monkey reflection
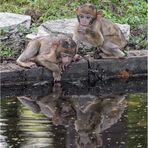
column 55, row 106
column 96, row 117
column 89, row 118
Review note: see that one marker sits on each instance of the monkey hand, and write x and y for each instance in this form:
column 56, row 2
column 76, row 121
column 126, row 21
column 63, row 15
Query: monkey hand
column 62, row 67
column 77, row 57
column 57, row 77
column 82, row 29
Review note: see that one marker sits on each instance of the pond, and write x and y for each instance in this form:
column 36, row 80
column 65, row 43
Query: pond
column 110, row 114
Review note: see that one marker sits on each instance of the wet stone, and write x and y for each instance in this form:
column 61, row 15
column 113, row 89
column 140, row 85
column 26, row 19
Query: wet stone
column 83, row 70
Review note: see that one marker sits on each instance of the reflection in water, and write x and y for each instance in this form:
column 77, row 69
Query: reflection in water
column 57, row 120
column 89, row 118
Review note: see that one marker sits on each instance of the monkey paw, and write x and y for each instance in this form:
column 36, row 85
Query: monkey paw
column 77, row 57
column 31, row 65
column 57, row 77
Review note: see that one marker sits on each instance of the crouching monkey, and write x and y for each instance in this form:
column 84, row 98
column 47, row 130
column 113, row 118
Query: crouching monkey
column 98, row 31
column 53, row 53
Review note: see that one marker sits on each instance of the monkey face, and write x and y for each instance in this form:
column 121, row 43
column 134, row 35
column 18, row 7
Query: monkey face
column 67, row 110
column 88, row 140
column 86, row 14
column 85, row 19
column 64, row 114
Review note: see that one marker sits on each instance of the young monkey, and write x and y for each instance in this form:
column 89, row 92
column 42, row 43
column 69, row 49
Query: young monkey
column 54, row 53
column 99, row 32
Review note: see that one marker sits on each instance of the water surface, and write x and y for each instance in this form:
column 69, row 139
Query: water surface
column 70, row 119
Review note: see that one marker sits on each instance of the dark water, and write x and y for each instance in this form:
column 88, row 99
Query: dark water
column 74, row 116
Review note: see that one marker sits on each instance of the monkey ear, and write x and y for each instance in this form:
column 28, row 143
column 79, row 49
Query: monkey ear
column 100, row 13
column 77, row 10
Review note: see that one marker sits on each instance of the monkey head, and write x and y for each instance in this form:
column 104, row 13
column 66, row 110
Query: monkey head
column 64, row 113
column 68, row 49
column 88, row 139
column 86, row 14
column 68, row 46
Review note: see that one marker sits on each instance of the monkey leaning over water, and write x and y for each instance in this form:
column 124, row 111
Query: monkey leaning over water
column 54, row 53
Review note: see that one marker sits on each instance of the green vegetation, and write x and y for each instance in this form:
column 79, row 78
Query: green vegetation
column 133, row 12
column 6, row 51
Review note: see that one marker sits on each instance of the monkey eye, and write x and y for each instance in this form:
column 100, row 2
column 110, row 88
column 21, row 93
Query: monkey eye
column 88, row 17
column 81, row 16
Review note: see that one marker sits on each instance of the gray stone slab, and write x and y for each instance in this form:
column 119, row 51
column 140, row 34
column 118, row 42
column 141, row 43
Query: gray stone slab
column 92, row 71
column 108, row 68
column 12, row 20
column 12, row 29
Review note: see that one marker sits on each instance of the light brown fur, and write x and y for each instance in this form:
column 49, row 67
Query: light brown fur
column 48, row 52
column 102, row 33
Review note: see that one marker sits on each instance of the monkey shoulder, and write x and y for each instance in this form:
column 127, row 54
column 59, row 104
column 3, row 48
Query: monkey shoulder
column 108, row 27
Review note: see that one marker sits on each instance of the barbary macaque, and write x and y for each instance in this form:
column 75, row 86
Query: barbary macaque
column 97, row 116
column 54, row 53
column 99, row 32
column 54, row 105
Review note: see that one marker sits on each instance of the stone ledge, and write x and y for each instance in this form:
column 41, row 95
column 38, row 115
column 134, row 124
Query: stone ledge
column 12, row 74
column 120, row 68
column 91, row 71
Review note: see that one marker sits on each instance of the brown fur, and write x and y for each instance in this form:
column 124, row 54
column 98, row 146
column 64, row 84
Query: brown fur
column 102, row 33
column 48, row 52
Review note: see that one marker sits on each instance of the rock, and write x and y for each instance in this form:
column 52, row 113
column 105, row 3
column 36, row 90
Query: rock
column 103, row 69
column 12, row 20
column 13, row 74
column 91, row 71
column 12, row 29
column 66, row 26
column 77, row 71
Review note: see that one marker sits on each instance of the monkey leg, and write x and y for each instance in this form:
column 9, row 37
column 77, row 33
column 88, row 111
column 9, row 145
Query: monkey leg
column 111, row 50
column 30, row 52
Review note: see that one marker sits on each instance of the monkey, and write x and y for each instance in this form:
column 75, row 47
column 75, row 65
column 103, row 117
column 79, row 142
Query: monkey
column 60, row 109
column 54, row 53
column 90, row 118
column 103, row 34
column 54, row 105
column 97, row 116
